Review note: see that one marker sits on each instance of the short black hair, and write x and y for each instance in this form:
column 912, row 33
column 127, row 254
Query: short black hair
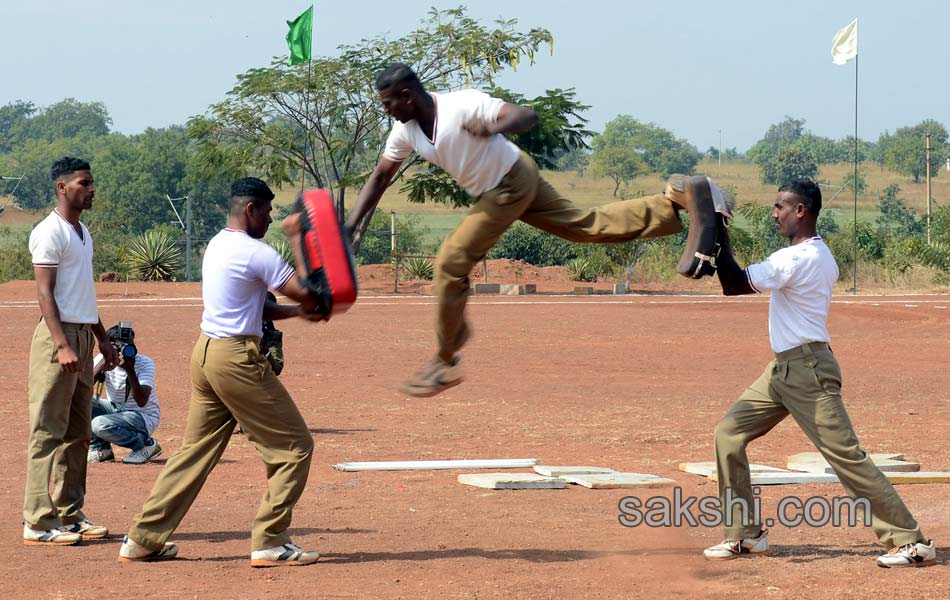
column 808, row 191
column 398, row 74
column 248, row 189
column 67, row 165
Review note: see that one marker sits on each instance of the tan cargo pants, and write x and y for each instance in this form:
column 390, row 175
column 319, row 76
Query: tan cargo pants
column 60, row 417
column 232, row 384
column 523, row 194
column 805, row 382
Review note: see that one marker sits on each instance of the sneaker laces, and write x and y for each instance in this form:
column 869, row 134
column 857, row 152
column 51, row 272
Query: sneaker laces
column 911, row 549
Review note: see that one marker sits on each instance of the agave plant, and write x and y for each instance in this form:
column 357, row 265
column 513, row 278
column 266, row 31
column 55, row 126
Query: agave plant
column 581, row 269
column 154, row 256
column 417, row 268
column 286, row 251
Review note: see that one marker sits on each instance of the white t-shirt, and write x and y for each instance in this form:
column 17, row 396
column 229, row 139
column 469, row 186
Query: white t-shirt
column 476, row 163
column 120, row 394
column 236, row 273
column 800, row 279
column 54, row 243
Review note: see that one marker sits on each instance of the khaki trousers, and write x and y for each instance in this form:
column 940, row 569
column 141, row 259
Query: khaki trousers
column 232, row 384
column 805, row 382
column 523, row 194
column 60, row 415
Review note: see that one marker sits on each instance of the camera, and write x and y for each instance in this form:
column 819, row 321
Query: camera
column 122, row 336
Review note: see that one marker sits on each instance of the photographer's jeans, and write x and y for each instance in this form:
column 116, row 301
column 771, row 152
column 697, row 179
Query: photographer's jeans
column 110, row 425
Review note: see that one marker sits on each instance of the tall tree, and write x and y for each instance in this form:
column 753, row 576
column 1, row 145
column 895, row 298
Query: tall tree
column 905, row 150
column 655, row 148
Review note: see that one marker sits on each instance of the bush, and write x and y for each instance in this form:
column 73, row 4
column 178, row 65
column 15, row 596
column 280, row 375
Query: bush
column 536, row 247
column 154, row 256
column 416, row 268
column 17, row 262
column 376, row 245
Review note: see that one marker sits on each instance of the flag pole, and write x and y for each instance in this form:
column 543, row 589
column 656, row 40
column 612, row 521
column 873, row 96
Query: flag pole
column 854, row 276
column 306, row 127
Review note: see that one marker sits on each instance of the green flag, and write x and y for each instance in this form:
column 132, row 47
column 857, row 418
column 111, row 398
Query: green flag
column 299, row 36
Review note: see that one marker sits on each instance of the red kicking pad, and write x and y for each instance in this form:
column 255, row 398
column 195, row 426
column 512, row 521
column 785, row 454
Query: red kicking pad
column 328, row 270
column 707, row 213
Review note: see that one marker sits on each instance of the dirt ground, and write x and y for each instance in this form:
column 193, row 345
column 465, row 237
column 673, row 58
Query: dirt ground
column 636, row 383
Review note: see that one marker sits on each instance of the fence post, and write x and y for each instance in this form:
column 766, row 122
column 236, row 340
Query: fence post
column 392, row 246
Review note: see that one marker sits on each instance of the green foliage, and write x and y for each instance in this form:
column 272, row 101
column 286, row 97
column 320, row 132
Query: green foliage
column 17, row 262
column 560, row 129
column 777, row 136
column 377, row 241
column 154, row 256
column 536, row 247
column 429, row 182
column 855, row 181
column 656, row 148
column 10, row 115
column 283, row 247
column 762, row 239
column 66, row 119
column 905, row 150
column 896, row 218
column 788, row 164
column 416, row 268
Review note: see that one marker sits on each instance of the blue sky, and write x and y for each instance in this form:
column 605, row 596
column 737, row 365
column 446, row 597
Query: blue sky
column 692, row 67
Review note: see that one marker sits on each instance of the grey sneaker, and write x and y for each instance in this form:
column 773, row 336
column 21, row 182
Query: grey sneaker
column 87, row 529
column 49, row 537
column 917, row 554
column 435, row 377
column 143, row 454
column 132, row 551
column 288, row 555
column 730, row 549
column 98, row 455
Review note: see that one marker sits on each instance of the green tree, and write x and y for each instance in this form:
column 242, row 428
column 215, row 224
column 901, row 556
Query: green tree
column 66, row 119
column 905, row 150
column 855, row 181
column 655, row 148
column 325, row 117
column 621, row 163
column 788, row 164
column 776, row 137
column 10, row 115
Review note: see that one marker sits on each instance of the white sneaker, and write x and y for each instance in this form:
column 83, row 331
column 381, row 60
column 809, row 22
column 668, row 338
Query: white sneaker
column 49, row 537
column 98, row 455
column 289, row 554
column 433, row 378
column 87, row 529
column 730, row 549
column 132, row 551
column 918, row 554
column 143, row 454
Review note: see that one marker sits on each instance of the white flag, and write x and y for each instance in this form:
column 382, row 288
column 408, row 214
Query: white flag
column 845, row 45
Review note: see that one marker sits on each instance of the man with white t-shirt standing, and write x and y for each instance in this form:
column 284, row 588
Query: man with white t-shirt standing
column 129, row 414
column 234, row 384
column 463, row 132
column 60, row 378
column 803, row 381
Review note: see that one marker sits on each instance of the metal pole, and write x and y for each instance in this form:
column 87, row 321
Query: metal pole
column 188, row 238
column 392, row 247
column 720, row 150
column 854, row 248
column 929, row 201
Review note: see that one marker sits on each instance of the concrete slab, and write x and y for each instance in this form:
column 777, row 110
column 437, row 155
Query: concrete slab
column 816, row 456
column 609, row 481
column 776, row 478
column 512, row 289
column 511, row 481
column 884, row 464
column 919, row 477
column 620, row 288
column 583, row 290
column 707, row 469
column 557, row 471
column 486, row 288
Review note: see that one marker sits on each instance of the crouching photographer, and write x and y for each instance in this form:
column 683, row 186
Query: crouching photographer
column 129, row 413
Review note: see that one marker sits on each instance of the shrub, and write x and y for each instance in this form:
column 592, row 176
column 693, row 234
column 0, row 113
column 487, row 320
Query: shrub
column 154, row 256
column 416, row 268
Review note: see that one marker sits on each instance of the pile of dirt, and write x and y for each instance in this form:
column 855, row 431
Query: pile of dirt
column 501, row 270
